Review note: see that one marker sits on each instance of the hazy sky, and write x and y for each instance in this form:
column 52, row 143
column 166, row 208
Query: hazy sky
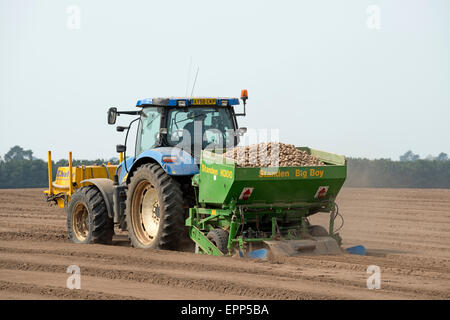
column 314, row 69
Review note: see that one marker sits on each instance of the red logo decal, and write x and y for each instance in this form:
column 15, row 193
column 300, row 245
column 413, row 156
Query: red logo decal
column 246, row 193
column 321, row 192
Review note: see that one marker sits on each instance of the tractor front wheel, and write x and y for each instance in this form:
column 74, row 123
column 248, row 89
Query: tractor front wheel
column 154, row 209
column 87, row 217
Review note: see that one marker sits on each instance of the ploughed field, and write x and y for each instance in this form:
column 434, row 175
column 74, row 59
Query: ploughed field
column 406, row 233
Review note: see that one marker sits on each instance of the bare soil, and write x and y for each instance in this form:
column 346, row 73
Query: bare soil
column 406, row 233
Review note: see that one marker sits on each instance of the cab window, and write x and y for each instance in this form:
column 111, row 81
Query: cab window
column 148, row 129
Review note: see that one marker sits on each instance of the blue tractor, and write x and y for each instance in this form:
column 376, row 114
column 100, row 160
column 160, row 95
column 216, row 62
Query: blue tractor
column 152, row 188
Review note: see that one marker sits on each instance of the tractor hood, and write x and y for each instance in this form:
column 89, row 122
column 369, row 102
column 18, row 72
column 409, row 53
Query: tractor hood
column 173, row 160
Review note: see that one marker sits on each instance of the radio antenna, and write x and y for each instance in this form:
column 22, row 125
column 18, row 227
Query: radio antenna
column 195, row 81
column 188, row 77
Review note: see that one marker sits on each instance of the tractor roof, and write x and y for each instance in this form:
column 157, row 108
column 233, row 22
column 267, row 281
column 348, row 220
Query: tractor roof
column 188, row 101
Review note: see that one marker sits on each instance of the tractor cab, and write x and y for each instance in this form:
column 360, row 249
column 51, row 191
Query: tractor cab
column 188, row 124
column 174, row 131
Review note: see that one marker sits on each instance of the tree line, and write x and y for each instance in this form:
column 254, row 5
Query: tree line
column 410, row 172
column 19, row 169
column 385, row 173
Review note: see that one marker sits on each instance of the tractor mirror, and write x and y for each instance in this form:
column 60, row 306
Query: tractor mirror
column 112, row 115
column 121, row 148
column 241, row 131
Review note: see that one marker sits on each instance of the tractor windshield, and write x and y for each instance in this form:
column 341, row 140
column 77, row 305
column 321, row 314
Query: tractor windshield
column 210, row 127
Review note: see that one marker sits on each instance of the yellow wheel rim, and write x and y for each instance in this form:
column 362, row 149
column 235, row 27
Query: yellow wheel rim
column 79, row 222
column 145, row 215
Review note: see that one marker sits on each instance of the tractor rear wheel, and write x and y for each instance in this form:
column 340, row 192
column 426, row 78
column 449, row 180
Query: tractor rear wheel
column 154, row 209
column 219, row 238
column 87, row 217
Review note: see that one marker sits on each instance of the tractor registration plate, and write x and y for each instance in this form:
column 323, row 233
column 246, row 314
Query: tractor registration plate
column 203, row 101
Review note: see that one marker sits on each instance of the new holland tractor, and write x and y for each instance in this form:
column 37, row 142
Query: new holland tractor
column 176, row 184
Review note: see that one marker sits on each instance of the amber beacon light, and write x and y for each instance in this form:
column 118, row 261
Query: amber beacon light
column 244, row 95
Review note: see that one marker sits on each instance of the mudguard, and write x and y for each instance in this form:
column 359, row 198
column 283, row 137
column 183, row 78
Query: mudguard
column 106, row 189
column 185, row 164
